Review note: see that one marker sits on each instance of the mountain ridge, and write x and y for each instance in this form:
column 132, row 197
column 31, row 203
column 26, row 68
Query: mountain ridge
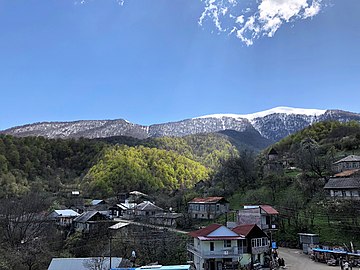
column 273, row 124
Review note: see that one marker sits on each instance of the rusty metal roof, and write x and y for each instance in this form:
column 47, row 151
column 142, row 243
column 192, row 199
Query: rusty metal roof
column 208, row 200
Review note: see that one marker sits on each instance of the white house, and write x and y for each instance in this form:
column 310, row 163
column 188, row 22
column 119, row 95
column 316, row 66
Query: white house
column 217, row 247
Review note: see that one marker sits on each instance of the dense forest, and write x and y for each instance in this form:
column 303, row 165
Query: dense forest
column 123, row 169
column 53, row 165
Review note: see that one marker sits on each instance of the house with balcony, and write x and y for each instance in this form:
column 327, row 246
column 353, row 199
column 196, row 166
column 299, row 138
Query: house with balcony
column 264, row 216
column 208, row 208
column 217, row 247
column 256, row 246
column 347, row 163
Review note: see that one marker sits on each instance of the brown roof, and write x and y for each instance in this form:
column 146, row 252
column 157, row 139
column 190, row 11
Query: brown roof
column 269, row 210
column 207, row 200
column 205, row 231
column 244, row 229
column 347, row 173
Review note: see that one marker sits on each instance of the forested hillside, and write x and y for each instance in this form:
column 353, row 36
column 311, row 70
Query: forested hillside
column 342, row 137
column 293, row 182
column 123, row 168
column 54, row 164
column 39, row 163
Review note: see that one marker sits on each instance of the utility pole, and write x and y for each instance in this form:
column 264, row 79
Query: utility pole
column 110, row 243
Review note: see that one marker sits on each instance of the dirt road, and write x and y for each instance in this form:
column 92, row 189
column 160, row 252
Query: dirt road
column 296, row 260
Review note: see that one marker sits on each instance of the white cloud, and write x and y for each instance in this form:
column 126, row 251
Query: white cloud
column 240, row 19
column 249, row 24
column 216, row 10
column 313, row 10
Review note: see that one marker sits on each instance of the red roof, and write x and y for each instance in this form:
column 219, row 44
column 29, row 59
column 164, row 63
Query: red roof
column 205, row 231
column 202, row 234
column 207, row 200
column 217, row 238
column 243, row 229
column 347, row 173
column 269, row 210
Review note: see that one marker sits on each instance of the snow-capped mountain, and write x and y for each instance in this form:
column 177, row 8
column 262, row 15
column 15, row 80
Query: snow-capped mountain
column 273, row 124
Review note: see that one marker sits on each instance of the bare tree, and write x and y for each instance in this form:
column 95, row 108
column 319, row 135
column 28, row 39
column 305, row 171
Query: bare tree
column 98, row 263
column 24, row 230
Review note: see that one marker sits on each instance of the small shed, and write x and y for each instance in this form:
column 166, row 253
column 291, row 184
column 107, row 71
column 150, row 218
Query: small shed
column 308, row 241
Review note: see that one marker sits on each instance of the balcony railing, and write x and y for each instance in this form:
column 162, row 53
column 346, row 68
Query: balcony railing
column 232, row 252
column 259, row 250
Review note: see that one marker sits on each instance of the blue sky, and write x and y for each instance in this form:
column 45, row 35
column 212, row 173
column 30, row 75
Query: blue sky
column 154, row 61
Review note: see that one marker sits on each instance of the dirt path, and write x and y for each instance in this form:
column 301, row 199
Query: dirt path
column 296, row 260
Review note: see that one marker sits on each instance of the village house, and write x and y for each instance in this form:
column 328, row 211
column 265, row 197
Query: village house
column 264, row 216
column 168, row 219
column 64, row 217
column 208, row 208
column 217, row 247
column 147, row 209
column 348, row 163
column 117, row 210
column 274, row 162
column 344, row 185
column 256, row 246
column 90, row 222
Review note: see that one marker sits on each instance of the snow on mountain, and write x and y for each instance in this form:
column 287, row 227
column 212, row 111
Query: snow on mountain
column 277, row 110
column 273, row 124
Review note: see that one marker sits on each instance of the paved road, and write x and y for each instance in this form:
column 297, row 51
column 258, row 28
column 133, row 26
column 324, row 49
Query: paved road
column 296, row 260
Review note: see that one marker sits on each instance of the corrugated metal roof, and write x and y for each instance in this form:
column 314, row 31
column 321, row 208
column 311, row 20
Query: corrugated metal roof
column 342, row 182
column 119, row 225
column 148, row 206
column 96, row 202
column 244, row 229
column 158, row 267
column 213, row 238
column 67, row 213
column 205, row 234
column 269, row 209
column 86, row 216
column 80, row 263
column 207, row 200
column 347, row 173
column 205, row 231
column 350, row 158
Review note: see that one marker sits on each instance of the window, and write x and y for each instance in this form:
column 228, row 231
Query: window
column 259, row 242
column 264, row 241
column 212, row 246
column 227, row 243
